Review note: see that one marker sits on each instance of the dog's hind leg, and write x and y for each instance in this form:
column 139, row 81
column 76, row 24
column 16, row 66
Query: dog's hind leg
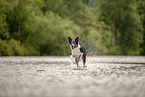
column 84, row 59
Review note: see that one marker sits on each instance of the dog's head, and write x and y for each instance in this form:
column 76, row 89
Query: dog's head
column 73, row 43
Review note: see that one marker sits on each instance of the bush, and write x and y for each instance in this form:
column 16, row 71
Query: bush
column 12, row 47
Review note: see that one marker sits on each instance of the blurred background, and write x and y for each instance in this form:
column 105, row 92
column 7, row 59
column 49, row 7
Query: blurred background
column 41, row 27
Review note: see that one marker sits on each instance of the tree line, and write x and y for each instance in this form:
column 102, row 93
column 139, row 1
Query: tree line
column 41, row 27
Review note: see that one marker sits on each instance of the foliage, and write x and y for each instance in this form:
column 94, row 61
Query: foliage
column 125, row 23
column 49, row 34
column 10, row 47
column 17, row 19
column 4, row 31
column 141, row 11
column 41, row 27
column 5, row 6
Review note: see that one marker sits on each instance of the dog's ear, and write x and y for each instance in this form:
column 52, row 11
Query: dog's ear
column 69, row 40
column 77, row 40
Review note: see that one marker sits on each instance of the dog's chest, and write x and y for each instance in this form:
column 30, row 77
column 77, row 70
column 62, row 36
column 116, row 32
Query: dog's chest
column 76, row 52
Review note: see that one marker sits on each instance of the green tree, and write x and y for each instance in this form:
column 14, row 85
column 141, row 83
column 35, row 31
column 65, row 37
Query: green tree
column 4, row 29
column 5, row 6
column 122, row 17
column 76, row 11
column 141, row 11
column 112, row 13
column 17, row 19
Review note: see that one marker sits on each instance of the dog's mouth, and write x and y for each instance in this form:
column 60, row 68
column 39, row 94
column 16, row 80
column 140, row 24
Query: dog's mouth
column 72, row 47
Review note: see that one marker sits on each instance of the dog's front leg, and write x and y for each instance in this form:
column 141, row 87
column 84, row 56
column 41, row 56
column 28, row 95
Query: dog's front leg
column 73, row 59
column 77, row 61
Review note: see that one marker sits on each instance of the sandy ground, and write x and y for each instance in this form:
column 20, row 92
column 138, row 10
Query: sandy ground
column 51, row 76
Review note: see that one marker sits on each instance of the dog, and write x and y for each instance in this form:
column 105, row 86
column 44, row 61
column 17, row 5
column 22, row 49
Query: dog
column 78, row 52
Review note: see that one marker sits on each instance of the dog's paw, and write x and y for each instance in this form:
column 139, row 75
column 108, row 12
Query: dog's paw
column 85, row 66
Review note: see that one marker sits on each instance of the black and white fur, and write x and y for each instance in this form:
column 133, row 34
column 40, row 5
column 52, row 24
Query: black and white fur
column 78, row 52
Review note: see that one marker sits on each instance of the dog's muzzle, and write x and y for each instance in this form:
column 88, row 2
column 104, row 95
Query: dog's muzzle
column 72, row 46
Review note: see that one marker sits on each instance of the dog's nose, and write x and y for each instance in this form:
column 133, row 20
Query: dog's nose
column 72, row 46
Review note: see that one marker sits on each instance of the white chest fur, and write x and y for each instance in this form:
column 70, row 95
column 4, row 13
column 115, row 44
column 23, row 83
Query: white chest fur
column 76, row 52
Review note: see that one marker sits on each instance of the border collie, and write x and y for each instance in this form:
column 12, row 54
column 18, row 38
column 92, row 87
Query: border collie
column 78, row 52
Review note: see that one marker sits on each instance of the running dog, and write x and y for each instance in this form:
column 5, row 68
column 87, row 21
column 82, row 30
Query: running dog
column 78, row 52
